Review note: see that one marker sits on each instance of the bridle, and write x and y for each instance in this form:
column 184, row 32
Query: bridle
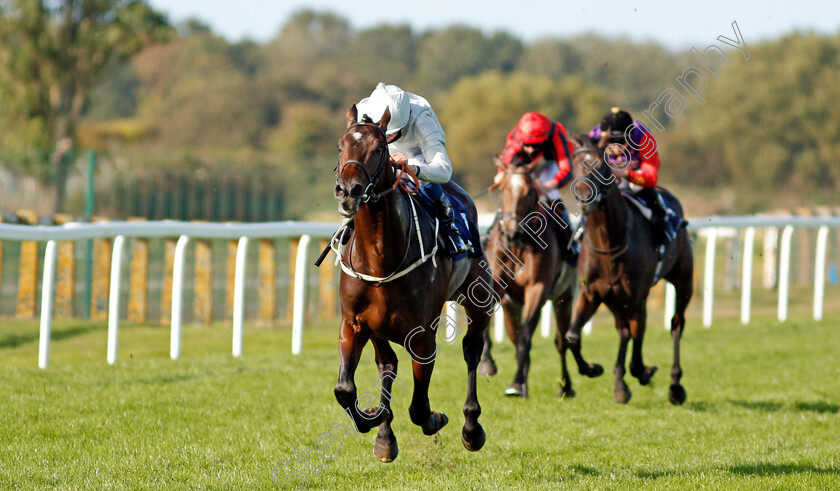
column 516, row 214
column 337, row 243
column 613, row 252
column 373, row 180
column 599, row 195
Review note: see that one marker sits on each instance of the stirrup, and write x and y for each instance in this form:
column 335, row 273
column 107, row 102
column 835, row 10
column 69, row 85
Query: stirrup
column 447, row 217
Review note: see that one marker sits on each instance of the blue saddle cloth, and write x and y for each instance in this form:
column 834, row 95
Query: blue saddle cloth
column 466, row 228
column 674, row 217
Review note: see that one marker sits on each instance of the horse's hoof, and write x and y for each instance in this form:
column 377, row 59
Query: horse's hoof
column 516, row 390
column 473, row 444
column 436, row 422
column 385, row 451
column 566, row 392
column 593, row 370
column 647, row 374
column 622, row 396
column 487, row 368
column 676, row 394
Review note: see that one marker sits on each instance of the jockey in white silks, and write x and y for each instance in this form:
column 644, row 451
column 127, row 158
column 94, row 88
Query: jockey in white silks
column 416, row 138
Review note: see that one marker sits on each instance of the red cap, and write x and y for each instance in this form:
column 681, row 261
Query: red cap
column 533, row 128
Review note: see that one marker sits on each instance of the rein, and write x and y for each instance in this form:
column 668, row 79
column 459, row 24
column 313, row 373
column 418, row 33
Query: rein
column 613, row 252
column 377, row 280
column 369, row 195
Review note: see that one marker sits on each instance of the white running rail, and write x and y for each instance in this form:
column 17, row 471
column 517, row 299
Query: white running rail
column 305, row 231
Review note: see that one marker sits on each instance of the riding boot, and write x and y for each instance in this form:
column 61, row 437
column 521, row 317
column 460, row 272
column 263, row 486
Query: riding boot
column 569, row 247
column 667, row 217
column 572, row 253
column 447, row 215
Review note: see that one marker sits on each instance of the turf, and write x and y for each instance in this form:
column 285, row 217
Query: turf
column 762, row 412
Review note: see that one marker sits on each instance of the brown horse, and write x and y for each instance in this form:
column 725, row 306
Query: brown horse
column 526, row 239
column 617, row 266
column 393, row 285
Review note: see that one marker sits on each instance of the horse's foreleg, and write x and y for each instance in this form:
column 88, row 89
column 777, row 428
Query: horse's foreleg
column 385, row 448
column 535, row 297
column 350, row 350
column 473, row 435
column 638, row 369
column 621, row 393
column 563, row 316
column 585, row 308
column 487, row 367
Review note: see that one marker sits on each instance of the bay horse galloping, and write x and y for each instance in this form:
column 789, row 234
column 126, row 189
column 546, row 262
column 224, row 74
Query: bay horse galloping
column 529, row 269
column 618, row 266
column 394, row 282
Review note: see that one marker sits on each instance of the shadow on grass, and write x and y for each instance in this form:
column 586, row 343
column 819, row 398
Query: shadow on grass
column 655, row 474
column 702, row 406
column 586, row 471
column 15, row 340
column 767, row 469
column 821, row 407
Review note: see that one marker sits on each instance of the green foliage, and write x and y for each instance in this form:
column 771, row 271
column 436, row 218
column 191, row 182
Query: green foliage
column 480, row 111
column 446, row 56
column 51, row 54
column 773, row 120
column 768, row 124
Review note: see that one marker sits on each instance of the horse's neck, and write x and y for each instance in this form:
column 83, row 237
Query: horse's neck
column 609, row 221
column 381, row 235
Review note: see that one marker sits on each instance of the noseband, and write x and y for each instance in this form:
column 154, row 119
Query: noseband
column 373, row 180
column 599, row 195
column 508, row 215
column 613, row 252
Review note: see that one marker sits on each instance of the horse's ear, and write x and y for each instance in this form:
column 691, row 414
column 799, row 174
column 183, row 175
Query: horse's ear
column 501, row 165
column 580, row 140
column 383, row 121
column 352, row 116
column 605, row 139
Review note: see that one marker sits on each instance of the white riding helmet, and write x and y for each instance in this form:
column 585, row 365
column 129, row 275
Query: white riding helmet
column 386, row 96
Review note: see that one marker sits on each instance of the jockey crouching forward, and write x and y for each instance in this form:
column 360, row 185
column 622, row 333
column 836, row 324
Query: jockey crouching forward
column 416, row 138
column 538, row 138
column 629, row 139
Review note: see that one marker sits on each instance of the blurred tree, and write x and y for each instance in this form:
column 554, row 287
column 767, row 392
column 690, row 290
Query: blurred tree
column 200, row 92
column 775, row 118
column 460, row 51
column 382, row 54
column 634, row 73
column 478, row 113
column 51, row 55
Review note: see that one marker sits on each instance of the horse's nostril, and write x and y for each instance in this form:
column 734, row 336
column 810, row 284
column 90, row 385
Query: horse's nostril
column 356, row 190
column 339, row 191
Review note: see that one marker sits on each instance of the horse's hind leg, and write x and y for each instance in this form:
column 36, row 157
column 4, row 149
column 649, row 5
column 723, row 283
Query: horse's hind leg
column 535, row 297
column 423, row 363
column 350, row 348
column 638, row 369
column 473, row 435
column 385, row 447
column 621, row 393
column 681, row 278
column 584, row 310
